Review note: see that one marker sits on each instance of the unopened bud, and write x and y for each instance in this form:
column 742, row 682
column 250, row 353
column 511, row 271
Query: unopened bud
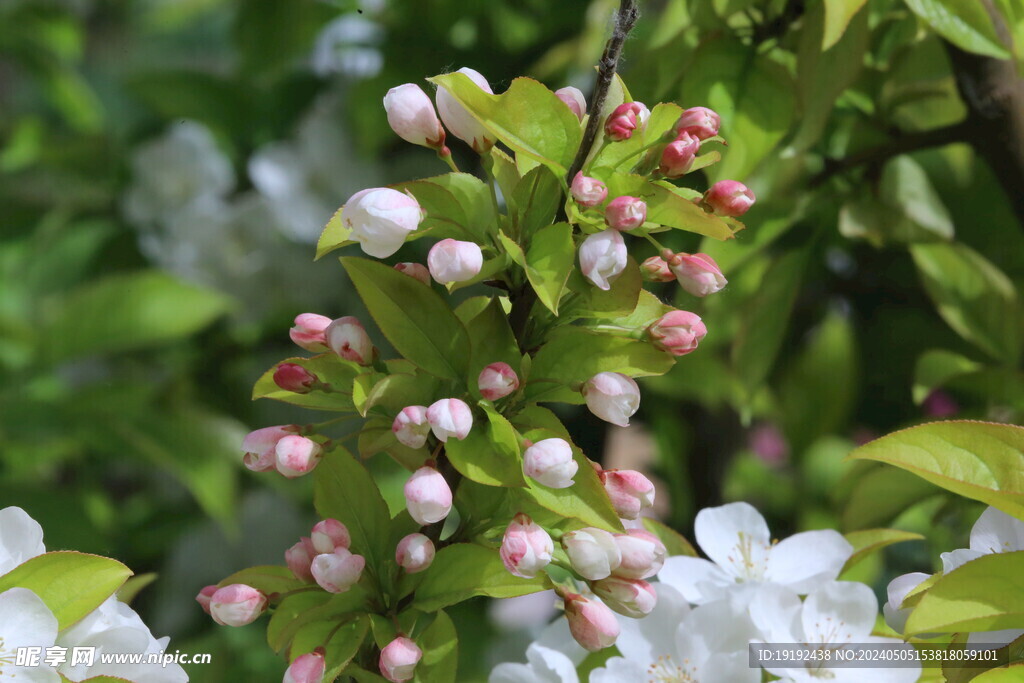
column 380, row 219
column 588, row 191
column 204, row 597
column 328, row 535
column 338, row 571
column 411, row 426
column 643, row 554
column 459, row 121
column 308, row 331
column 454, row 261
column 625, row 213
column 427, row 496
column 677, row 157
column 700, row 122
column 574, row 99
column 592, row 552
column 624, row 119
column 294, row 378
column 629, row 491
column 633, row 598
column 526, row 548
column 296, row 455
column 612, row 396
column 260, row 446
column 698, row 274
column 411, row 115
column 398, row 660
column 450, row 417
column 550, row 462
column 347, row 338
column 414, row 553
column 677, row 332
column 603, row 257
column 307, row 668
column 497, row 380
column 299, row 558
column 729, row 198
column 655, row 269
column 237, row 605
column 414, row 270
column 591, row 623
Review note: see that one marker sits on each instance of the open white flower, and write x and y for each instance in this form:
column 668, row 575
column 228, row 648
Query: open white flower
column 833, row 615
column 21, row 538
column 25, row 621
column 674, row 643
column 552, row 658
column 743, row 557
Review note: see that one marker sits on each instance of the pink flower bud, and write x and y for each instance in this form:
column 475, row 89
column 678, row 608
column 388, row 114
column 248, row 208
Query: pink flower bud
column 729, row 198
column 677, row 157
column 414, row 270
column 411, row 427
column 414, row 553
column 204, row 597
column 602, row 257
column 550, row 462
column 259, row 447
column 411, row 115
column 591, row 623
column 308, row 331
column 348, row 339
column 307, row 668
column 574, row 99
column 296, row 455
column 328, row 535
column 698, row 274
column 295, row 378
column 299, row 558
column 454, row 261
column 643, row 554
column 593, row 552
column 237, row 605
column 700, row 122
column 526, row 548
column 459, row 121
column 612, row 396
column 624, row 119
column 398, row 660
column 427, row 496
column 655, row 269
column 497, row 380
column 380, row 219
column 588, row 191
column 629, row 491
column 450, row 417
column 629, row 597
column 625, row 213
column 677, row 332
column 338, row 571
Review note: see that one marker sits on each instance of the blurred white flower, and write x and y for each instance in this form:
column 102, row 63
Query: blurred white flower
column 552, row 658
column 21, row 538
column 347, row 46
column 25, row 621
column 524, row 612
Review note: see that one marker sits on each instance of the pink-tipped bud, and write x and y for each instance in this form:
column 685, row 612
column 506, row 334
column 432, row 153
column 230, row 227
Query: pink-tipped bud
column 411, row 115
column 550, row 462
column 328, row 535
column 237, row 605
column 204, row 597
column 588, row 191
column 308, row 331
column 411, row 426
column 526, row 548
column 427, row 496
column 380, row 219
column 629, row 491
column 398, row 660
column 260, row 447
column 450, row 417
column 698, row 274
column 624, row 119
column 625, row 213
column 454, row 261
column 632, row 598
column 294, row 378
column 677, row 332
column 460, row 122
column 414, row 553
column 593, row 552
column 414, row 270
column 497, row 380
column 347, row 338
column 729, row 198
column 307, row 668
column 643, row 554
column 677, row 157
column 338, row 571
column 603, row 257
column 612, row 396
column 700, row 122
column 296, row 455
column 655, row 269
column 574, row 99
column 591, row 623
column 299, row 558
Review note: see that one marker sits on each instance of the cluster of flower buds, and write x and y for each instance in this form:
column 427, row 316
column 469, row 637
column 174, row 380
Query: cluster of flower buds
column 281, row 448
column 344, row 336
column 324, row 557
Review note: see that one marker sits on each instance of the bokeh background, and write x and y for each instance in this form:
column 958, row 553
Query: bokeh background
column 167, row 165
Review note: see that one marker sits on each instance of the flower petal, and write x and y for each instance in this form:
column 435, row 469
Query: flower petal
column 997, row 532
column 644, row 640
column 955, row 559
column 735, row 537
column 551, row 665
column 25, row 620
column 619, row 670
column 806, row 560
column 21, row 538
column 698, row 580
column 514, row 673
column 775, row 611
column 839, row 612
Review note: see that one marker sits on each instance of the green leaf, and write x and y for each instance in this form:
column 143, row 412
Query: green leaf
column 413, row 317
column 973, row 296
column 344, row 644
column 527, row 117
column 838, row 14
column 1010, row 674
column 270, row 35
column 591, row 302
column 965, row 24
column 667, row 205
column 490, row 453
column 648, row 309
column 456, row 205
column 675, row 542
column 661, row 120
column 867, row 541
column 935, row 367
column 330, row 369
column 71, row 584
column 463, row 570
column 344, row 490
column 394, row 392
column 129, row 311
column 440, row 645
column 267, row 579
column 334, row 236
column 536, row 199
column 979, row 460
column 986, row 594
column 574, row 355
column 492, row 341
column 880, row 495
column 549, row 261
